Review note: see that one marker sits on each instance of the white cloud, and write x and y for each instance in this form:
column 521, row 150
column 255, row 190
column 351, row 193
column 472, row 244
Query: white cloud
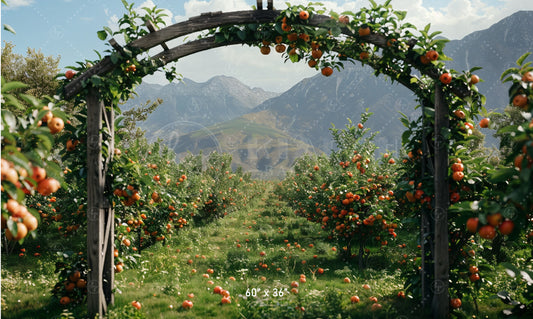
column 17, row 3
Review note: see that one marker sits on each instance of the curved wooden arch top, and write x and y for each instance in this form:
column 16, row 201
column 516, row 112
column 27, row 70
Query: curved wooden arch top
column 217, row 19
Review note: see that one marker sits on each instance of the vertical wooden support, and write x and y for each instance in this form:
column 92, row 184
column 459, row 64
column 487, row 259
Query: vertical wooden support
column 270, row 5
column 259, row 4
column 440, row 305
column 100, row 217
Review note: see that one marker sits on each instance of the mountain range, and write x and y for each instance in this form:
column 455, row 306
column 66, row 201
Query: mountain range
column 265, row 131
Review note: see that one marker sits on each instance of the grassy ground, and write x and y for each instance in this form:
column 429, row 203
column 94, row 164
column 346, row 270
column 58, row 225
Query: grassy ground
column 255, row 254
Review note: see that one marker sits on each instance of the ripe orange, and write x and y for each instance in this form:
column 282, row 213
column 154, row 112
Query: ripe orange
column 457, row 167
column 280, row 48
column 225, row 300
column 304, row 15
column 187, row 304
column 48, row 186
column 316, row 54
column 136, row 304
column 347, row 280
column 484, row 123
column 520, row 100
column 55, row 125
column 327, row 71
column 457, row 176
column 487, row 232
column 460, row 114
column 265, row 50
column 292, row 37
column 455, row 303
column 285, row 27
column 354, row 299
column 364, row 31
column 527, row 77
column 506, row 227
column 432, row 55
column 474, row 277
column 446, row 78
column 30, row 221
column 494, row 219
column 474, row 79
column 473, row 269
column 81, row 283
column 471, row 224
column 39, row 174
column 70, row 74
column 64, row 300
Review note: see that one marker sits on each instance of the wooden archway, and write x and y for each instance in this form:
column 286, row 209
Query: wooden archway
column 100, row 229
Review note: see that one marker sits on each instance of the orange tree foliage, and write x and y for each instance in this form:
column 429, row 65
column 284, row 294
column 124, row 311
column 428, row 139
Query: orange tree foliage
column 348, row 192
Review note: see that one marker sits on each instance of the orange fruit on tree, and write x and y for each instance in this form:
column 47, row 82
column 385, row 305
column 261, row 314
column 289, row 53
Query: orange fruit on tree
column 48, row 186
column 445, row 78
column 460, row 114
column 316, row 54
column 280, row 48
column 225, row 300
column 520, row 100
column 472, row 224
column 265, row 50
column 487, row 232
column 432, row 55
column 455, row 303
column 187, row 304
column 304, row 15
column 457, row 167
column 424, row 59
column 474, row 79
column 473, row 269
column 527, row 77
column 474, row 277
column 484, row 123
column 494, row 219
column 364, row 55
column 364, row 31
column 81, row 283
column 292, row 36
column 55, row 125
column 30, row 221
column 457, row 176
column 327, row 71
column 344, row 19
column 354, row 299
column 70, row 74
column 64, row 300
column 312, row 63
column 506, row 227
column 285, row 27
column 39, row 173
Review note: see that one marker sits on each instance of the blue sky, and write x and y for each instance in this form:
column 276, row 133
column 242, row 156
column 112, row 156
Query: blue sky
column 68, row 28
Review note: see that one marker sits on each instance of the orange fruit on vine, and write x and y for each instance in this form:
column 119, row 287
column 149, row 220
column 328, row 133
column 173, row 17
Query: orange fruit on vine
column 527, row 77
column 484, row 123
column 70, row 74
column 280, row 48
column 292, row 37
column 474, row 277
column 455, row 303
column 458, row 176
column 520, row 100
column 285, row 27
column 65, row 300
column 56, row 125
column 487, row 232
column 364, row 31
column 344, row 19
column 506, row 227
column 494, row 219
column 312, row 63
column 473, row 269
column 432, row 55
column 316, row 54
column 472, row 224
column 304, row 15
column 457, row 167
column 48, row 186
column 265, row 50
column 327, row 71
column 446, row 78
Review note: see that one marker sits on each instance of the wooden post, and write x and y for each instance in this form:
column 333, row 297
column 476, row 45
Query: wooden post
column 270, row 5
column 259, row 4
column 440, row 285
column 100, row 217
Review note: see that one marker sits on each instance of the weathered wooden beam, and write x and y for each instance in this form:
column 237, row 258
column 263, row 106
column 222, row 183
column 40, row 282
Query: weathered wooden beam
column 115, row 45
column 95, row 195
column 190, row 48
column 270, row 5
column 440, row 303
column 151, row 27
column 259, row 4
column 77, row 84
column 203, row 22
